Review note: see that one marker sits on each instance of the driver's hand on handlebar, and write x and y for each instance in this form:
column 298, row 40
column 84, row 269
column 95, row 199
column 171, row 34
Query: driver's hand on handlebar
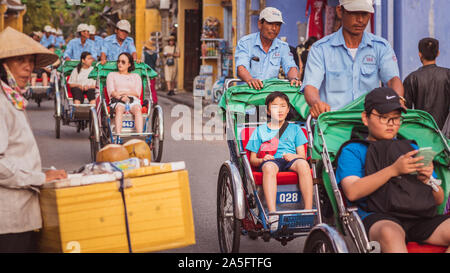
column 296, row 82
column 255, row 83
column 319, row 108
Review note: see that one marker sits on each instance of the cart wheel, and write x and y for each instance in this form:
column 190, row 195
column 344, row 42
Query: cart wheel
column 319, row 242
column 228, row 226
column 157, row 142
column 93, row 135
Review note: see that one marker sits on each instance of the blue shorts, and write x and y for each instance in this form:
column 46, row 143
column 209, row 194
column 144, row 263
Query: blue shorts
column 283, row 164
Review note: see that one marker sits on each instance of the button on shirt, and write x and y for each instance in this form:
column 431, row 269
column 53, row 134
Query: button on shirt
column 113, row 49
column 341, row 79
column 249, row 50
column 75, row 48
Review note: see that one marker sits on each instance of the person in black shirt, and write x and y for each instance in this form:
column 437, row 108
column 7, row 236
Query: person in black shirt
column 428, row 88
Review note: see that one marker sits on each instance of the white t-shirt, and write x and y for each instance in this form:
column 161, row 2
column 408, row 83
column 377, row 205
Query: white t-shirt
column 353, row 52
column 82, row 77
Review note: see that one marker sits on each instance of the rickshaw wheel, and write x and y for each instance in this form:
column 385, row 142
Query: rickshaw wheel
column 95, row 145
column 319, row 242
column 157, row 143
column 229, row 227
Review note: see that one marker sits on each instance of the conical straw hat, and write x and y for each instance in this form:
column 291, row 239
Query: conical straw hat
column 14, row 43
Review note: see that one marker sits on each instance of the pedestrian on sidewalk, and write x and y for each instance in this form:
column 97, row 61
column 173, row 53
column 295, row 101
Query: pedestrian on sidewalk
column 428, row 88
column 170, row 52
column 20, row 162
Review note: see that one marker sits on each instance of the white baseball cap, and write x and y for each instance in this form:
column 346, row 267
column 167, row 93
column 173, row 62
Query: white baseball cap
column 47, row 28
column 271, row 15
column 92, row 29
column 358, row 5
column 82, row 27
column 124, row 25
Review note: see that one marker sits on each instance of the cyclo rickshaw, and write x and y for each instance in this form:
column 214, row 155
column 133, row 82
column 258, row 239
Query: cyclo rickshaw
column 65, row 110
column 326, row 136
column 240, row 199
column 101, row 125
column 331, row 226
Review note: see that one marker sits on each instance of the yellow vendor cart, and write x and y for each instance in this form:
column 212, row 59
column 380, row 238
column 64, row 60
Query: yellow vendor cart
column 141, row 210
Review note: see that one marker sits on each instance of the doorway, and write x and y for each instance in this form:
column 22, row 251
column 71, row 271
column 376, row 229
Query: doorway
column 193, row 25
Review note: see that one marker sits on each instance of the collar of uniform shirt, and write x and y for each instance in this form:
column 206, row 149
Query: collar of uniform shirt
column 275, row 42
column 338, row 39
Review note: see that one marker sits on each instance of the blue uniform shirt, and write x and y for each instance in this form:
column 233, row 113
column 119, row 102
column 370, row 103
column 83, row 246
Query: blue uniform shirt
column 112, row 49
column 74, row 49
column 46, row 41
column 59, row 41
column 340, row 79
column 269, row 63
column 98, row 43
column 292, row 138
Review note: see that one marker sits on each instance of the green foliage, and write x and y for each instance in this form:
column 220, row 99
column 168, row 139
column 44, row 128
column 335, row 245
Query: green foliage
column 59, row 14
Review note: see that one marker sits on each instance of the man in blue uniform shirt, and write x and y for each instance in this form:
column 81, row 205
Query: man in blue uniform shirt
column 78, row 45
column 349, row 63
column 117, row 43
column 98, row 41
column 47, row 39
column 259, row 55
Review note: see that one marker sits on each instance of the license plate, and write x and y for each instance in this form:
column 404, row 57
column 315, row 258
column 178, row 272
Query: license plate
column 288, row 197
column 128, row 124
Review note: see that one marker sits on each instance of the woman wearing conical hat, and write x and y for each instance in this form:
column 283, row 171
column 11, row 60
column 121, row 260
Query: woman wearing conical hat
column 20, row 162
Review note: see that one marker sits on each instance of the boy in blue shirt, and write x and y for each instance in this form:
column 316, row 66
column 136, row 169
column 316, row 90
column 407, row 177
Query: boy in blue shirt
column 383, row 118
column 290, row 154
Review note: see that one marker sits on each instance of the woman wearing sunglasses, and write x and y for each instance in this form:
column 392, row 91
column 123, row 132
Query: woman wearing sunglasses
column 124, row 88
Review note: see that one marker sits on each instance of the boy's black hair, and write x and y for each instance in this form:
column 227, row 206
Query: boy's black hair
column 277, row 94
column 429, row 48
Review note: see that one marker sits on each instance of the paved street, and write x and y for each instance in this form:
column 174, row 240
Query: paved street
column 203, row 159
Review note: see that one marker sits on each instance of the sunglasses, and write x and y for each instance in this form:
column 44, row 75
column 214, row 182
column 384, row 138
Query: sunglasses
column 122, row 61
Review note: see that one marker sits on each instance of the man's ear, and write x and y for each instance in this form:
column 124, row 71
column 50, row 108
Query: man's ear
column 365, row 118
column 339, row 12
column 260, row 25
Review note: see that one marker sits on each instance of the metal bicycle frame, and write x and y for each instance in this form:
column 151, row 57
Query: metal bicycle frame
column 249, row 186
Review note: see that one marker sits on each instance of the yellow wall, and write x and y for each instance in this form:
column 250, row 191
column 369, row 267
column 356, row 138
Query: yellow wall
column 140, row 26
column 152, row 22
column 182, row 6
column 15, row 22
column 213, row 8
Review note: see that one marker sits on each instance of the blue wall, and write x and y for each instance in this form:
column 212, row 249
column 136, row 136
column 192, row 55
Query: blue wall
column 417, row 19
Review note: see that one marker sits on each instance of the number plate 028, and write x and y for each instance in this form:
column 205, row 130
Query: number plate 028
column 288, row 197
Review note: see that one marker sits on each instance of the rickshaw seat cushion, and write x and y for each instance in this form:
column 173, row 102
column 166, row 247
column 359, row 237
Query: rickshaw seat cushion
column 283, row 178
column 414, row 247
column 69, row 90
